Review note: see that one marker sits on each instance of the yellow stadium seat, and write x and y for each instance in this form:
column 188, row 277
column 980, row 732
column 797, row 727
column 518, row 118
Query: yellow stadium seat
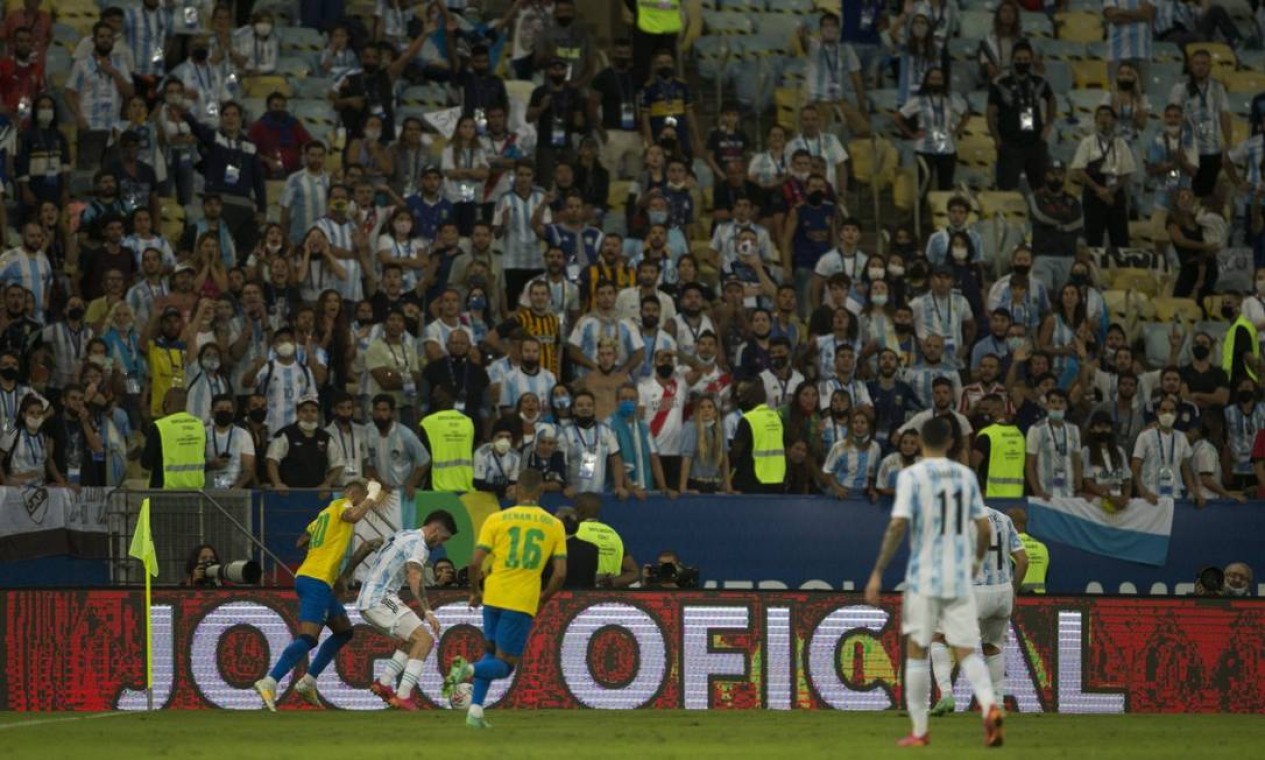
column 1212, row 307
column 1141, row 233
column 1222, row 55
column 1010, row 204
column 1079, row 26
column 982, row 153
column 262, row 86
column 619, row 192
column 1139, row 280
column 1240, row 130
column 976, row 126
column 905, row 190
column 1171, row 309
column 274, row 189
column 1090, row 75
column 1244, row 81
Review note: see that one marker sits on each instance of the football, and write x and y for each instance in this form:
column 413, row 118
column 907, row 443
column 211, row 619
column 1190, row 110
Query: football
column 460, row 698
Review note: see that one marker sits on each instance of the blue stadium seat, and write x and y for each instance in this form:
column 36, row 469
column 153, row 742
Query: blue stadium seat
column 1059, row 75
column 720, row 22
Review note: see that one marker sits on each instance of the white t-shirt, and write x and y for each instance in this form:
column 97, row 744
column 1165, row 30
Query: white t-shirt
column 664, row 410
column 780, row 392
column 235, row 442
column 1160, row 451
column 825, row 145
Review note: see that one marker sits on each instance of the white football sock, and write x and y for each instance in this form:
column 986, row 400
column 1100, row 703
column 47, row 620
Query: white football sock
column 977, row 673
column 412, row 672
column 942, row 668
column 918, row 694
column 475, row 711
column 997, row 674
column 395, row 666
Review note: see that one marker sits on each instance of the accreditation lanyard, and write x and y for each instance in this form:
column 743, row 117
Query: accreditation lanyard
column 1172, row 452
column 215, row 442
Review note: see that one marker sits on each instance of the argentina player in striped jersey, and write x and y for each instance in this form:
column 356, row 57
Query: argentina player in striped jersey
column 939, row 502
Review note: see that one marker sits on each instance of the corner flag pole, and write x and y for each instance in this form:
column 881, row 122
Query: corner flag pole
column 142, row 548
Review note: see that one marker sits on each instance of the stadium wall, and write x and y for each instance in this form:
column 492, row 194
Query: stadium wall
column 83, row 650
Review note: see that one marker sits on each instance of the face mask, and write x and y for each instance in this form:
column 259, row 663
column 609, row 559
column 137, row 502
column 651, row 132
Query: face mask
column 200, row 54
column 1022, row 67
column 839, row 414
column 904, row 328
column 1056, row 415
column 478, row 303
column 403, row 228
column 211, row 363
column 584, row 421
column 1014, row 343
column 1173, row 131
column 1200, row 352
column 1126, row 85
column 895, row 270
column 658, row 217
column 960, row 253
column 272, row 247
column 33, row 423
column 9, row 373
column 1232, row 591
column 501, row 446
column 627, row 408
column 263, row 28
column 372, row 135
column 665, row 370
column 780, row 362
column 382, row 425
column 223, row 419
column 1167, row 419
column 44, row 117
column 1244, row 396
column 1021, row 269
column 876, row 274
column 1079, row 279
column 285, row 350
column 258, row 415
column 1227, row 312
column 561, row 402
column 557, row 79
column 307, row 427
column 879, row 299
column 531, row 366
column 74, row 314
column 665, row 72
column 565, row 21
column 816, row 197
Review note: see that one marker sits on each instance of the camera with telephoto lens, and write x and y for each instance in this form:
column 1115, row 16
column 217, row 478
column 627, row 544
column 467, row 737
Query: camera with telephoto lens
column 243, row 571
column 1210, row 582
column 681, row 576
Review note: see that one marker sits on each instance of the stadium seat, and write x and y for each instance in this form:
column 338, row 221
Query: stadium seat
column 1247, row 82
column 741, row 6
column 1061, row 50
column 1222, row 55
column 311, row 88
column 905, row 190
column 255, row 107
column 721, row 22
column 293, row 66
column 1059, row 75
column 1079, row 26
column 1090, row 75
column 1012, row 205
column 884, row 101
column 1212, row 307
column 1161, row 76
column 1169, row 309
column 976, row 25
column 261, row 86
column 1137, row 280
column 1167, row 52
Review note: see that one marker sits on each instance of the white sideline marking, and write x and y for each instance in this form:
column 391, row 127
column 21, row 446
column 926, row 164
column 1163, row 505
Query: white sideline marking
column 46, row 721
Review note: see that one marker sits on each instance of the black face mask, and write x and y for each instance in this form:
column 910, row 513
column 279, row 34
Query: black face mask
column 1079, row 279
column 1022, row 68
column 584, row 421
column 200, row 54
column 565, row 21
column 557, row 79
column 840, row 414
column 383, row 425
column 650, row 322
column 1054, row 185
column 257, row 415
column 1126, row 85
column 904, row 328
column 664, row 370
column 531, row 366
column 1244, row 396
column 816, row 197
column 223, row 419
column 75, row 313
column 9, row 373
column 780, row 362
column 665, row 72
column 1021, row 269
column 1227, row 312
column 1201, row 352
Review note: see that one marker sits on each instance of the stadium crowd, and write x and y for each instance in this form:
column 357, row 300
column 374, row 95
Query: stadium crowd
column 575, row 271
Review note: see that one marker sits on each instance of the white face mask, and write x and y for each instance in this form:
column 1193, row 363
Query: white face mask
column 263, row 28
column 1174, row 130
column 33, row 423
column 959, row 253
column 879, row 299
column 175, row 101
column 501, row 445
column 1167, row 419
column 44, row 117
column 896, row 270
column 1056, row 415
column 285, row 350
column 307, row 427
column 372, row 135
column 877, row 274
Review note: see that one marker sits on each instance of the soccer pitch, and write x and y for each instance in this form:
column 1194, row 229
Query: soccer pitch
column 579, row 735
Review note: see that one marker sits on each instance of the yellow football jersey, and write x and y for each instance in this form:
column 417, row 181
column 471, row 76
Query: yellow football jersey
column 329, row 536
column 519, row 541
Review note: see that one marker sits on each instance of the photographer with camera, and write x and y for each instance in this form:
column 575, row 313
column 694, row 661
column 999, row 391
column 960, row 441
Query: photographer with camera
column 1210, row 582
column 615, row 567
column 203, row 569
column 669, row 573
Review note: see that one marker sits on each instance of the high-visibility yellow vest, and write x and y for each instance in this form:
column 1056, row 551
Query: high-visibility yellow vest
column 659, row 16
column 610, row 547
column 1006, row 457
column 768, row 449
column 451, row 437
column 184, row 451
column 1038, row 564
column 1228, row 352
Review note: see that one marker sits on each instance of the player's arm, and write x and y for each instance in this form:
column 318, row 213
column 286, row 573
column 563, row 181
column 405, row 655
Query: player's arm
column 344, row 579
column 1021, row 569
column 357, row 513
column 476, row 576
column 891, row 542
column 983, row 539
column 413, row 572
column 629, row 573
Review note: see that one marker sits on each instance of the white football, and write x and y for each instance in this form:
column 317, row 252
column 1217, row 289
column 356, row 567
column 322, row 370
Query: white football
column 461, row 695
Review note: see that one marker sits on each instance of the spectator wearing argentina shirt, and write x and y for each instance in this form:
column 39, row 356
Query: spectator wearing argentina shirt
column 95, row 92
column 852, row 463
column 147, row 30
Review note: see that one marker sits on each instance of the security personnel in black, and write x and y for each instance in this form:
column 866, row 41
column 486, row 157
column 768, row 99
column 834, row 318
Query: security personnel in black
column 370, row 90
column 465, row 381
column 1021, row 109
column 302, row 455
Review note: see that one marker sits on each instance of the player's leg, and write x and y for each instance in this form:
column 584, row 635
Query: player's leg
column 340, row 633
column 942, row 672
column 382, row 618
column 918, row 625
column 995, row 606
column 384, row 687
column 417, row 637
column 511, row 631
column 961, row 630
column 314, row 599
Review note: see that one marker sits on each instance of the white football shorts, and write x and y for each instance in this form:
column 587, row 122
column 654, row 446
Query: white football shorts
column 392, row 617
column 922, row 617
column 994, row 604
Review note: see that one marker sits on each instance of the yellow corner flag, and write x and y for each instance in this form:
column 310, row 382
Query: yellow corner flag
column 143, row 542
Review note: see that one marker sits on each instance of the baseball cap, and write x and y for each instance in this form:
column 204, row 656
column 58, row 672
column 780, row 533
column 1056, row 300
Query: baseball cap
column 309, row 398
column 546, row 431
column 171, row 311
column 184, row 268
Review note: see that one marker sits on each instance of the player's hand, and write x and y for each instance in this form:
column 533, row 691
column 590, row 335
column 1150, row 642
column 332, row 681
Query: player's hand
column 374, row 544
column 433, row 622
column 476, row 599
column 374, row 490
column 873, row 588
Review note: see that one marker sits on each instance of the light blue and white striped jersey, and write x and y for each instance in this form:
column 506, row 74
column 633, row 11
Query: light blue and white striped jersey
column 588, row 446
column 495, row 469
column 146, row 32
column 202, row 388
column 261, row 53
column 306, row 195
column 438, row 331
column 517, row 383
column 31, row 272
column 69, row 347
column 934, row 315
column 282, row 385
column 1167, row 14
column 389, row 572
column 913, row 69
column 1056, row 447
column 1036, row 301
column 141, row 297
column 1241, row 430
column 826, row 346
column 100, row 101
column 852, row 467
column 938, row 245
column 996, row 569
column 855, row 388
column 922, row 375
column 659, row 340
column 943, row 18
column 395, row 455
column 412, row 249
column 942, row 500
column 140, row 244
column 1247, row 157
column 592, row 328
column 1128, row 41
column 520, row 246
column 828, row 75
column 1202, row 107
column 1062, row 337
column 938, row 116
column 204, row 87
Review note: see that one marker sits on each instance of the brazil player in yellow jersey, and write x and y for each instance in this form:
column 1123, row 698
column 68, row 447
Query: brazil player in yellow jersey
column 327, row 538
column 517, row 542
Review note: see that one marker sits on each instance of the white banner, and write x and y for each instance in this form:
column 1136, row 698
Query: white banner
column 33, row 510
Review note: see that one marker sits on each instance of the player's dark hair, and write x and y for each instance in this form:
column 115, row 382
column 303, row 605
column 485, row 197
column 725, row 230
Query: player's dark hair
column 529, row 485
column 936, row 433
column 444, row 518
column 1057, row 393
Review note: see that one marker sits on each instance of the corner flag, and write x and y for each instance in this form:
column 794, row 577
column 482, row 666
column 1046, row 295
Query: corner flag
column 143, row 542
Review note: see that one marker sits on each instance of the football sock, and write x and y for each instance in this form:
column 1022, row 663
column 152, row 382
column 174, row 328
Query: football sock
column 325, row 654
column 395, row 666
column 942, row 668
column 977, row 673
column 918, row 694
column 491, row 668
column 291, row 655
column 412, row 672
column 997, row 674
column 481, row 686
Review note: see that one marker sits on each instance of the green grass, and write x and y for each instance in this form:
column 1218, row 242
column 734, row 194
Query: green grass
column 580, row 735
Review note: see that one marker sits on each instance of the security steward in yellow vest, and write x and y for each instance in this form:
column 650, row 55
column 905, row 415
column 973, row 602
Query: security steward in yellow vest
column 1000, row 450
column 1240, row 348
column 615, row 567
column 758, row 454
column 658, row 23
column 449, row 437
column 1038, row 555
column 175, row 449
